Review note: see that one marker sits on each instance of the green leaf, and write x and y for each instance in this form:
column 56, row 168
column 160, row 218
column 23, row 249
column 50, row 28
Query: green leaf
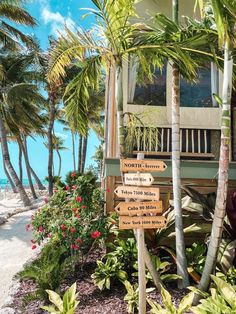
column 55, row 299
column 226, row 290
column 186, row 303
column 167, row 299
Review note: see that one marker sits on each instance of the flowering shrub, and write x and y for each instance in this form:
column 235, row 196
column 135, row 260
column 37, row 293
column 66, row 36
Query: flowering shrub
column 73, row 217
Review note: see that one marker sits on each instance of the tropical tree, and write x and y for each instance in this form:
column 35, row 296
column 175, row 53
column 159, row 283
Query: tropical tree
column 175, row 109
column 58, row 146
column 10, row 38
column 225, row 17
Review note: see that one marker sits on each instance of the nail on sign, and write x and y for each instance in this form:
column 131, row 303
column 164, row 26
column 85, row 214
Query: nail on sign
column 139, row 208
column 138, row 192
column 142, row 165
column 144, row 222
column 140, row 179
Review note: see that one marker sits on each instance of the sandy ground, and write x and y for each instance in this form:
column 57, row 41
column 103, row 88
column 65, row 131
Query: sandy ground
column 15, row 250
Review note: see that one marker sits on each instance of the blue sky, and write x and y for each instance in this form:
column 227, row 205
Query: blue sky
column 51, row 16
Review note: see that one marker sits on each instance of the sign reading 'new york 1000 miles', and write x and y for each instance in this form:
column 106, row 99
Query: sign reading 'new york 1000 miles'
column 142, row 165
column 138, row 192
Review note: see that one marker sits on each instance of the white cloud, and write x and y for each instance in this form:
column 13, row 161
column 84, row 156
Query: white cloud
column 56, row 20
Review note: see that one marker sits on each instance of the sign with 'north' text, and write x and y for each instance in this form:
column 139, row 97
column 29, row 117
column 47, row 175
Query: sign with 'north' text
column 142, row 165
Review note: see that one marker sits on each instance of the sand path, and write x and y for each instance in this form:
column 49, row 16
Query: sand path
column 15, row 250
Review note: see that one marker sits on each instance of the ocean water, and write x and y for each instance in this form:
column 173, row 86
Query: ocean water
column 4, row 184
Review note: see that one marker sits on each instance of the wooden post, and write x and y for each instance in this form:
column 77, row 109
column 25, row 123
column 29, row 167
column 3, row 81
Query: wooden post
column 141, row 264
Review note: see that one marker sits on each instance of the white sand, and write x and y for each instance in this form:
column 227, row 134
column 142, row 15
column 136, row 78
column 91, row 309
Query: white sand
column 15, row 250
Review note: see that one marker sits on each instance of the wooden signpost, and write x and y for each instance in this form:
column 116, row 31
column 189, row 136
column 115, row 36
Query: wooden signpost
column 140, row 215
column 142, row 165
column 139, row 208
column 140, row 179
column 144, row 222
column 137, row 192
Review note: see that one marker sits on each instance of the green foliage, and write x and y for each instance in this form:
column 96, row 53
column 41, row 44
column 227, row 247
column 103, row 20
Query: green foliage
column 73, row 216
column 222, row 299
column 169, row 307
column 132, row 296
column 229, row 276
column 196, row 256
column 47, row 270
column 110, row 270
column 66, row 306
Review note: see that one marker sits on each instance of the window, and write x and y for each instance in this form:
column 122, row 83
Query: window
column 200, row 94
column 152, row 94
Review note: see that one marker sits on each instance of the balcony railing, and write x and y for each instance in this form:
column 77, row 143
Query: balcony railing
column 157, row 141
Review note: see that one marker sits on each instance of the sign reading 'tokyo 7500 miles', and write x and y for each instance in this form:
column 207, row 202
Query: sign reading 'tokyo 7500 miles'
column 137, row 192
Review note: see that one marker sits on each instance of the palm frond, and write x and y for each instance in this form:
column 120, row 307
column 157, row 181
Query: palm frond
column 13, row 11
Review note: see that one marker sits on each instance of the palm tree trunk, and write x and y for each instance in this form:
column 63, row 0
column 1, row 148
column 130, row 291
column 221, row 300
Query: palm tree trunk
column 6, row 159
column 73, row 149
column 9, row 178
column 50, row 145
column 220, row 207
column 20, row 164
column 27, row 165
column 179, row 233
column 36, row 178
column 120, row 114
column 84, row 152
column 59, row 157
column 80, row 152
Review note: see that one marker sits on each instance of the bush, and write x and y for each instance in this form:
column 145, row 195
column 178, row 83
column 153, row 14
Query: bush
column 73, row 217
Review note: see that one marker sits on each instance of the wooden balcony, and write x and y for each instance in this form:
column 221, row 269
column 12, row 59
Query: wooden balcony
column 194, row 143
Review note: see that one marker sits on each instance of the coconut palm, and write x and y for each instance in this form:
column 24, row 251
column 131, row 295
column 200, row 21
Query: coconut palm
column 175, row 109
column 225, row 18
column 10, row 38
column 58, row 146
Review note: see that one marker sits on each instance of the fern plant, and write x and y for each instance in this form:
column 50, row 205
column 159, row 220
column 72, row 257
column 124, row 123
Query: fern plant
column 66, row 306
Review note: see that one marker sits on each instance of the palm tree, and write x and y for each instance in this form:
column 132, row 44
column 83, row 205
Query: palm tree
column 58, row 146
column 175, row 108
column 225, row 18
column 10, row 38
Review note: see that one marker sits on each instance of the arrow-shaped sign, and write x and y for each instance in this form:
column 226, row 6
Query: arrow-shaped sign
column 138, row 193
column 140, row 179
column 139, row 208
column 142, row 165
column 145, row 222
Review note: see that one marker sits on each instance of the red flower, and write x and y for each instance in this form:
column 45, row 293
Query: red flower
column 73, row 174
column 63, row 227
column 45, row 199
column 27, row 227
column 78, row 216
column 74, row 247
column 74, row 209
column 108, row 190
column 32, row 241
column 83, row 206
column 67, row 188
column 79, row 199
column 33, row 247
column 78, row 240
column 40, row 229
column 74, row 187
column 72, row 230
column 96, row 234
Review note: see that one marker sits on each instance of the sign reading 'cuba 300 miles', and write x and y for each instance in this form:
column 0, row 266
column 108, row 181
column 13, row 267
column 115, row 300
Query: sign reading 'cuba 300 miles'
column 139, row 208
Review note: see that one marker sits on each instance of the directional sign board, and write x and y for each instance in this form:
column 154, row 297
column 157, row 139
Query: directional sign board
column 142, row 165
column 140, row 179
column 139, row 208
column 138, row 192
column 144, row 222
